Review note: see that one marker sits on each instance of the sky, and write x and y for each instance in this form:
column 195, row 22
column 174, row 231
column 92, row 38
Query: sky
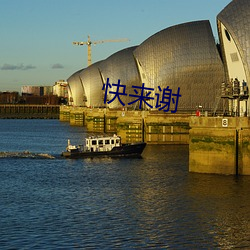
column 36, row 35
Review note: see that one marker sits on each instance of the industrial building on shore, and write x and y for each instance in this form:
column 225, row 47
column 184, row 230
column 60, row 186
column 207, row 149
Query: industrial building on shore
column 38, row 95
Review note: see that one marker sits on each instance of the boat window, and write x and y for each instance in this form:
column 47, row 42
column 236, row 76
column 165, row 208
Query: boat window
column 117, row 141
column 112, row 141
column 93, row 142
column 107, row 142
column 100, row 142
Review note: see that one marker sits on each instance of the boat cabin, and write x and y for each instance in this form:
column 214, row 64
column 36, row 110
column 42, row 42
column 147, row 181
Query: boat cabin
column 102, row 143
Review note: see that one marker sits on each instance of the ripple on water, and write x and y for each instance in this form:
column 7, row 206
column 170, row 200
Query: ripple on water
column 145, row 203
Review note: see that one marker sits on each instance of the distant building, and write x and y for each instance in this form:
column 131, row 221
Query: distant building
column 40, row 100
column 37, row 90
column 38, row 95
column 30, row 90
column 9, row 97
column 60, row 89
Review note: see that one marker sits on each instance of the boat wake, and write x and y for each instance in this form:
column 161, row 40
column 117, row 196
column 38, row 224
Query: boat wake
column 26, row 154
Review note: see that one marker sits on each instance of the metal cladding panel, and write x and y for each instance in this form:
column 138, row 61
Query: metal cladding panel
column 236, row 18
column 76, row 90
column 183, row 56
column 92, row 83
column 121, row 66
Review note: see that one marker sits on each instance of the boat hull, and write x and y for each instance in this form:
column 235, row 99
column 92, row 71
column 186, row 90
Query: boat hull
column 126, row 150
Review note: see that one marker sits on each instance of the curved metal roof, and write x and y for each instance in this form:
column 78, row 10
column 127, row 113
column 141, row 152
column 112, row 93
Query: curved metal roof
column 92, row 84
column 183, row 56
column 236, row 18
column 76, row 90
column 121, row 66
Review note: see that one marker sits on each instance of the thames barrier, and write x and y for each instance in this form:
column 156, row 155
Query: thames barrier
column 218, row 145
column 180, row 66
column 179, row 86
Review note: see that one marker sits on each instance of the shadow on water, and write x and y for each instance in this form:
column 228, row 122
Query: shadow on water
column 222, row 204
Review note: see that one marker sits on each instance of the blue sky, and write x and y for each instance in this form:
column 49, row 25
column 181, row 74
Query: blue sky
column 36, row 35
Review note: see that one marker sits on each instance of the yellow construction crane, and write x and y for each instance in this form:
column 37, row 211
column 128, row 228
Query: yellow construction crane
column 89, row 43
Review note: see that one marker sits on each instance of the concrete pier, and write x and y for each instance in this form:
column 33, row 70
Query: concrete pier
column 167, row 128
column 132, row 126
column 64, row 114
column 219, row 145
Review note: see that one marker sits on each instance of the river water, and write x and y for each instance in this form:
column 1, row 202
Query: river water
column 149, row 203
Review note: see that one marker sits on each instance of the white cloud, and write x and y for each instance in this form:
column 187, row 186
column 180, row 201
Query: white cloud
column 57, row 66
column 21, row 66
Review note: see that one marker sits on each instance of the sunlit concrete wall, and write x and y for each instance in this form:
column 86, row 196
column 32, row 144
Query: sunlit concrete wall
column 183, row 56
column 219, row 145
column 234, row 33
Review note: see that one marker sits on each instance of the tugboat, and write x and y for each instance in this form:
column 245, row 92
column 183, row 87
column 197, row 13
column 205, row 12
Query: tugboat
column 96, row 146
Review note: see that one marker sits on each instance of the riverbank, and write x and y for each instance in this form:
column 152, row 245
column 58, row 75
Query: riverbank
column 25, row 111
